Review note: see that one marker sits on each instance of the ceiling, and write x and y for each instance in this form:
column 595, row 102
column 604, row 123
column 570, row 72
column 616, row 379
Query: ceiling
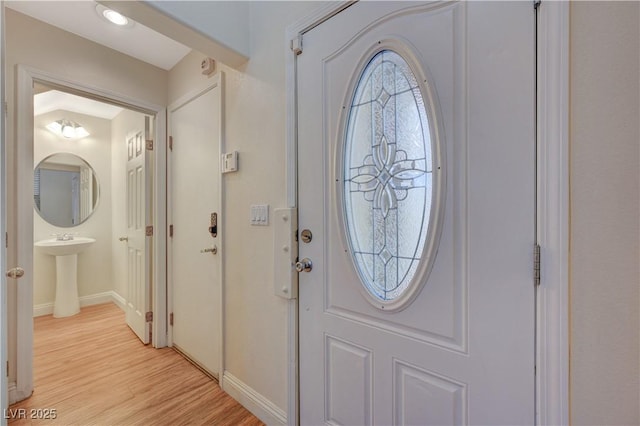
column 82, row 19
column 54, row 100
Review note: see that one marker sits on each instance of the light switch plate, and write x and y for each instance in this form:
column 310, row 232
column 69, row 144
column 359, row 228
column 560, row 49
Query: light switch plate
column 259, row 215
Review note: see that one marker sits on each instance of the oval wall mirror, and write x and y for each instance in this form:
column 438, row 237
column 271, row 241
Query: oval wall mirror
column 65, row 189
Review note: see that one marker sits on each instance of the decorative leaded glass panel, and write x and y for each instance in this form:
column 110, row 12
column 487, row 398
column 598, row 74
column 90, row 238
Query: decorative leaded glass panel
column 387, row 176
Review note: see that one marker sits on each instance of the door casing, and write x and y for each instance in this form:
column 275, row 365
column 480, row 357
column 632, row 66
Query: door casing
column 4, row 397
column 26, row 77
column 552, row 326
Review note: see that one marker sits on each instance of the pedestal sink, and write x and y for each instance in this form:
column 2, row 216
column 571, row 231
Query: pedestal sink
column 66, row 252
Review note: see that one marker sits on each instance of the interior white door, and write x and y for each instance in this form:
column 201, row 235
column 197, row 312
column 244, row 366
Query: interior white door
column 138, row 243
column 456, row 345
column 195, row 188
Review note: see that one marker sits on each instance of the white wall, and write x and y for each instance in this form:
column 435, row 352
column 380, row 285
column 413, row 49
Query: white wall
column 224, row 21
column 256, row 319
column 94, row 265
column 122, row 126
column 605, row 213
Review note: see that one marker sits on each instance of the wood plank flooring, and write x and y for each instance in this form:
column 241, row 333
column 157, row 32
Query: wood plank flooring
column 92, row 370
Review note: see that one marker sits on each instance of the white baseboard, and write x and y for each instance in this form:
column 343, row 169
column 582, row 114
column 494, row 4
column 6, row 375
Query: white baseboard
column 118, row 300
column 15, row 394
column 260, row 406
column 92, row 299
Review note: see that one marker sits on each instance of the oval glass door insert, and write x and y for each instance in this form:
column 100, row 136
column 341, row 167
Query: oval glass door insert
column 388, row 179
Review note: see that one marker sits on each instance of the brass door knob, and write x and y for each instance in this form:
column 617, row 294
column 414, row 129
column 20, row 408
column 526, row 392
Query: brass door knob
column 16, row 272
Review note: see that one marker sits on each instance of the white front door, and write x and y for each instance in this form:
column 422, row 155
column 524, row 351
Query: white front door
column 416, row 179
column 195, row 204
column 138, row 243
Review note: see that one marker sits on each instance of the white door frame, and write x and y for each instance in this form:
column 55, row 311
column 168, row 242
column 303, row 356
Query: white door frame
column 216, row 81
column 4, row 394
column 552, row 327
column 26, row 77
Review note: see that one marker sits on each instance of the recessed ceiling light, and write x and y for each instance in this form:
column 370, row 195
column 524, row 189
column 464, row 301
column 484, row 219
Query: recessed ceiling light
column 113, row 16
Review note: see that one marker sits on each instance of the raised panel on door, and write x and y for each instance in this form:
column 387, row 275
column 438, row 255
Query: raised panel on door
column 460, row 349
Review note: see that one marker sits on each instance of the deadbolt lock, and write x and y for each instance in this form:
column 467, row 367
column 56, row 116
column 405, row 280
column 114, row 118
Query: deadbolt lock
column 306, row 236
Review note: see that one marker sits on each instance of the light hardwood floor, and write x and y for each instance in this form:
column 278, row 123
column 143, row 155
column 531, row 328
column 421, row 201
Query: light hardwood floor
column 92, row 370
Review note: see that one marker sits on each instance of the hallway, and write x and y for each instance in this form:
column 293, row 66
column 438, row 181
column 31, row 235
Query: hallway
column 92, row 369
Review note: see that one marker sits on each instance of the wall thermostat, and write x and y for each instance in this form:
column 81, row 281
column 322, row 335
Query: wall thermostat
column 208, row 65
column 230, row 162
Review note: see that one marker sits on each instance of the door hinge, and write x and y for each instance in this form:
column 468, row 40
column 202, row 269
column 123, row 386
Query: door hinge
column 149, row 231
column 7, row 368
column 6, row 240
column 148, row 317
column 536, row 4
column 149, row 144
column 171, row 230
column 296, row 45
column 171, row 143
column 171, row 318
column 536, row 264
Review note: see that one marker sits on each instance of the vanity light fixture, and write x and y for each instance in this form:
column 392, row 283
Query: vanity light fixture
column 67, row 129
column 114, row 17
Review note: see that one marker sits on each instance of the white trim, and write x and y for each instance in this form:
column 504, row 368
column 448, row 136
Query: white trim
column 552, row 358
column 24, row 233
column 26, row 76
column 4, row 386
column 217, row 80
column 253, row 401
column 159, row 242
column 92, row 299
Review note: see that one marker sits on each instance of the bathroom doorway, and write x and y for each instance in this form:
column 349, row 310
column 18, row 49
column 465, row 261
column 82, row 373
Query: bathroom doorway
column 81, row 152
column 98, row 209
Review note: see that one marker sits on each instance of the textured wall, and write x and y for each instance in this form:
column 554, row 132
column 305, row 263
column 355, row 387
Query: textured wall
column 605, row 212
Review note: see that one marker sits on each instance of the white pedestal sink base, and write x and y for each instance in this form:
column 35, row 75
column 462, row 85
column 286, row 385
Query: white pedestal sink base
column 66, row 252
column 66, row 302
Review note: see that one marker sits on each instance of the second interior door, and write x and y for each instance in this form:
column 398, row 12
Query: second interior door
column 195, row 188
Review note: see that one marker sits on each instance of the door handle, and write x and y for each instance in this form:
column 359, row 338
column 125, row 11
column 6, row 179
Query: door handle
column 305, row 265
column 15, row 273
column 212, row 250
column 123, row 239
